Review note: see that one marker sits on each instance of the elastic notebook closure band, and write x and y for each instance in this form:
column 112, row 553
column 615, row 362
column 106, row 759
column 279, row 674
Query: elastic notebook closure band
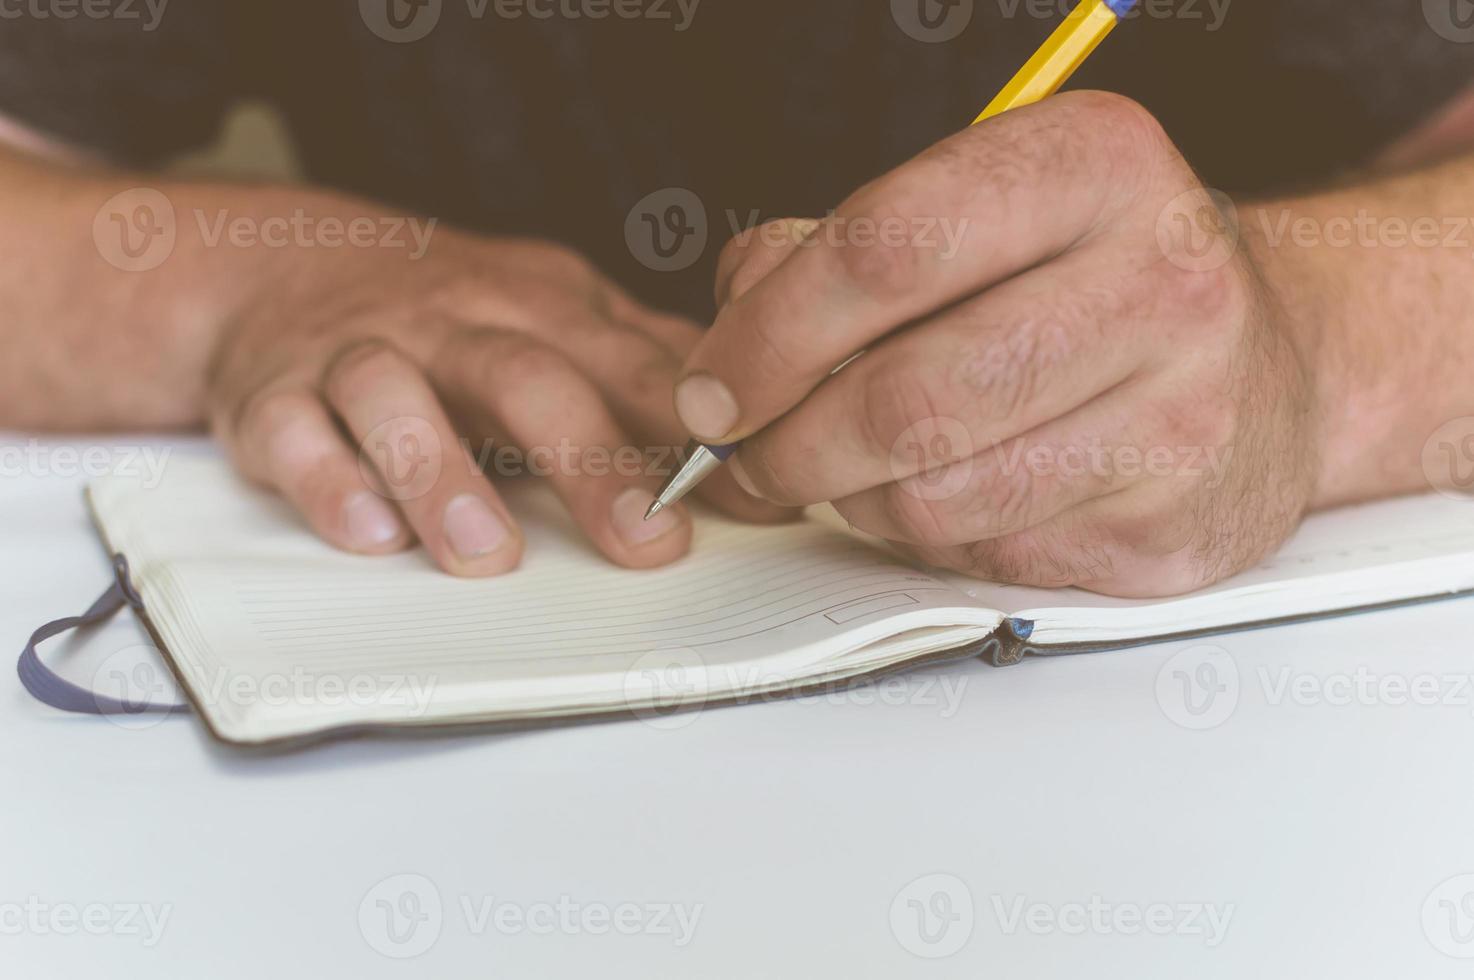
column 50, row 688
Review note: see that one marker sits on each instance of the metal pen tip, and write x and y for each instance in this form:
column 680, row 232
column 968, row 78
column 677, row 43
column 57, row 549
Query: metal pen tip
column 655, row 508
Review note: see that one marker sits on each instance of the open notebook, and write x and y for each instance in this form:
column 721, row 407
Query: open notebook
column 276, row 636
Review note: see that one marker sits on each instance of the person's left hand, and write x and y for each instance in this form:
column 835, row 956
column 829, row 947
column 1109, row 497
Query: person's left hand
column 1071, row 374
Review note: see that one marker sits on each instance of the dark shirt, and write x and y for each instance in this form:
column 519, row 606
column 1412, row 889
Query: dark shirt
column 505, row 122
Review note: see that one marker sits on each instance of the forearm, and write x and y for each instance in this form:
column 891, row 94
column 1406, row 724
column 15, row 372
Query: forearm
column 105, row 327
column 1375, row 284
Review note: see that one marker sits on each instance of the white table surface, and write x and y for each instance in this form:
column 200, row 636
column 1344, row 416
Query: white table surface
column 1330, row 821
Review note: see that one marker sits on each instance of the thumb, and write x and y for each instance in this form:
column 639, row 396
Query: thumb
column 755, row 253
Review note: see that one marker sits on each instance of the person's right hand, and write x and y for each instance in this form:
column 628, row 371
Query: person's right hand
column 350, row 388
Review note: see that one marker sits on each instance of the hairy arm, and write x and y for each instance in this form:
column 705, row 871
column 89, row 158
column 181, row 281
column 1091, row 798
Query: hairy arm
column 1377, row 281
column 92, row 345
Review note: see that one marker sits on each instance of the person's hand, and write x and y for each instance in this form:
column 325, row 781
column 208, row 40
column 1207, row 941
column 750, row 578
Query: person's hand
column 1094, row 390
column 374, row 391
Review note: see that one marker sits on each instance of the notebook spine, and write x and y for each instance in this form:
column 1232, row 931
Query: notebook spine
column 1009, row 643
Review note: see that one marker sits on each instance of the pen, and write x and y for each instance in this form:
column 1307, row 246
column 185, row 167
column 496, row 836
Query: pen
column 1052, row 65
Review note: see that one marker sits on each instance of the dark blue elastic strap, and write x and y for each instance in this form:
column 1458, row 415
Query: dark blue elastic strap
column 51, row 688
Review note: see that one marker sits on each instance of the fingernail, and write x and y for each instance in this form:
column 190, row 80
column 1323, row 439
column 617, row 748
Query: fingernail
column 370, row 521
column 740, row 475
column 629, row 512
column 473, row 529
column 707, row 409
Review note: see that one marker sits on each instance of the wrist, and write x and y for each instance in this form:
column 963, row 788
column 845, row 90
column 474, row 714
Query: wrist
column 1299, row 296
column 245, row 251
column 1350, row 290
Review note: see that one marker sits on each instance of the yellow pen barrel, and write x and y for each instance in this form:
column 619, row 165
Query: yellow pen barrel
column 1054, row 63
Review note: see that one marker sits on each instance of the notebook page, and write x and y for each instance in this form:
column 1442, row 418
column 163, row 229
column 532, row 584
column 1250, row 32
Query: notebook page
column 242, row 593
column 1373, row 553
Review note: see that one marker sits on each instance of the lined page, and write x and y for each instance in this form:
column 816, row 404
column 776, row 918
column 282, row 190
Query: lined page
column 1381, row 552
column 239, row 587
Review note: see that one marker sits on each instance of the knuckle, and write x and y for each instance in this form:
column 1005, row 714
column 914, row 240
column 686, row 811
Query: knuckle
column 524, row 378
column 742, row 248
column 524, row 362
column 893, row 401
column 759, row 345
column 641, row 364
column 761, row 460
column 1005, row 158
column 557, row 261
column 323, row 486
column 363, row 366
column 267, row 414
column 1208, row 296
column 1126, row 145
column 873, row 261
column 1119, row 117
